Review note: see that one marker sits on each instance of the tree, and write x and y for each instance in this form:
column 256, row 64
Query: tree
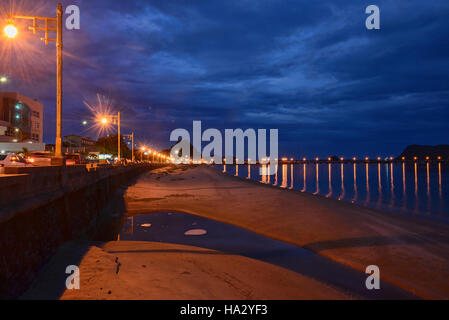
column 108, row 145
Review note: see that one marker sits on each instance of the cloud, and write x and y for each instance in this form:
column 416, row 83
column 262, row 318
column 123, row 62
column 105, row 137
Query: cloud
column 310, row 69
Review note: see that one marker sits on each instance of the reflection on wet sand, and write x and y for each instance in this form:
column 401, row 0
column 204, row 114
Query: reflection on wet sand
column 440, row 188
column 367, row 184
column 416, row 187
column 379, row 183
column 276, row 176
column 268, row 174
column 404, row 188
column 291, row 175
column 428, row 187
column 317, row 180
column 355, row 184
column 305, row 182
column 392, row 184
column 343, row 191
column 284, row 176
column 129, row 230
column 330, row 181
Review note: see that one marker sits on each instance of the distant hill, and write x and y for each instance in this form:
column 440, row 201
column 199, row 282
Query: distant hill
column 426, row 151
column 168, row 151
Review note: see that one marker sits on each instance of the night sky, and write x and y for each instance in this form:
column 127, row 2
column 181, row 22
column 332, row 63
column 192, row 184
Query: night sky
column 308, row 68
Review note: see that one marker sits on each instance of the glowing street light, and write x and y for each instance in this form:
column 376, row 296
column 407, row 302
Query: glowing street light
column 105, row 119
column 51, row 24
column 11, row 31
column 3, row 79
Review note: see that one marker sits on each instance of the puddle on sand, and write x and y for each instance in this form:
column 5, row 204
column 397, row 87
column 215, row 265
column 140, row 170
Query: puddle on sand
column 195, row 232
column 177, row 228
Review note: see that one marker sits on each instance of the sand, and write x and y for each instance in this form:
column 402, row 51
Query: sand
column 412, row 253
column 157, row 271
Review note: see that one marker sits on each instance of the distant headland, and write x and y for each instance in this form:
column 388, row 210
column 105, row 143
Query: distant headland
column 422, row 152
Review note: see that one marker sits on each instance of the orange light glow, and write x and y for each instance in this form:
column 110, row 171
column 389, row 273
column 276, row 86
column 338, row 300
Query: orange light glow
column 11, row 31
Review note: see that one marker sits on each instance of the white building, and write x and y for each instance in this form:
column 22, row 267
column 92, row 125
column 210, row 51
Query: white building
column 21, row 123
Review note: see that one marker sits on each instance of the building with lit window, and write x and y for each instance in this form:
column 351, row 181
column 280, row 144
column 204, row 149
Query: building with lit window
column 74, row 143
column 21, row 123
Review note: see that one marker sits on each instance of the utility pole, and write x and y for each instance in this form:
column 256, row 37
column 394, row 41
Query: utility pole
column 59, row 45
column 119, row 137
column 132, row 150
column 51, row 24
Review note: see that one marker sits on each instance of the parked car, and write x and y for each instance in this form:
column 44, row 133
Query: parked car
column 74, row 158
column 42, row 159
column 12, row 160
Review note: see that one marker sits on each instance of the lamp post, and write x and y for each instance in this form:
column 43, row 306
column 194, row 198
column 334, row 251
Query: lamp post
column 52, row 24
column 116, row 120
column 131, row 136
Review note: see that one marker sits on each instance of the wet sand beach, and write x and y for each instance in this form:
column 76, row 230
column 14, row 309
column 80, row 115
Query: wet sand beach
column 336, row 239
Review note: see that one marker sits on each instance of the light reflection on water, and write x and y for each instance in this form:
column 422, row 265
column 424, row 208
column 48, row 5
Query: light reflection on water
column 404, row 187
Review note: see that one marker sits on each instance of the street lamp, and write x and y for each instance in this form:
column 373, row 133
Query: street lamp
column 115, row 119
column 52, row 24
column 11, row 31
column 3, row 79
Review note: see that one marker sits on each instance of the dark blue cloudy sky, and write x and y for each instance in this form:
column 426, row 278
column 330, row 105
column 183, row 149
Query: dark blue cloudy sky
column 309, row 68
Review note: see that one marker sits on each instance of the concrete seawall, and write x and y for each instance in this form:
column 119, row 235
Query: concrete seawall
column 41, row 208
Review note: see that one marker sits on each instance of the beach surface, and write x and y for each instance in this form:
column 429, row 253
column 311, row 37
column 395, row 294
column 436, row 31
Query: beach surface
column 411, row 253
column 133, row 270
